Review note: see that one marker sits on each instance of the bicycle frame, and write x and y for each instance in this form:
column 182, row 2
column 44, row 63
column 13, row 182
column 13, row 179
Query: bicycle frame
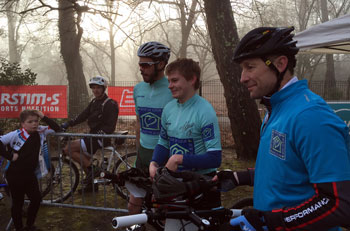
column 114, row 154
column 68, row 171
column 112, row 157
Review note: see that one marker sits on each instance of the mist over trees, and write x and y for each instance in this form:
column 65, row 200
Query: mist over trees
column 68, row 41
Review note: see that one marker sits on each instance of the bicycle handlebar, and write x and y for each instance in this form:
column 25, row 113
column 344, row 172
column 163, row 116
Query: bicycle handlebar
column 194, row 215
column 125, row 221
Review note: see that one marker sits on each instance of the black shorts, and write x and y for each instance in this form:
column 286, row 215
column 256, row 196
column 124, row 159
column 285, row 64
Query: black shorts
column 91, row 145
column 144, row 157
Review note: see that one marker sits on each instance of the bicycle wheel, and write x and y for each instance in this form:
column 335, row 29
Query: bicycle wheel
column 243, row 203
column 61, row 181
column 125, row 163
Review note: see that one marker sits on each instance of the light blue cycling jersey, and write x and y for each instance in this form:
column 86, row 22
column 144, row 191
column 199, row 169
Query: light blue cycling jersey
column 190, row 128
column 150, row 100
column 301, row 135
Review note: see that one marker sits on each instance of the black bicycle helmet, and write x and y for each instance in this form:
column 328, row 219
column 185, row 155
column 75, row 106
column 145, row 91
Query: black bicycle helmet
column 154, row 50
column 264, row 41
column 168, row 184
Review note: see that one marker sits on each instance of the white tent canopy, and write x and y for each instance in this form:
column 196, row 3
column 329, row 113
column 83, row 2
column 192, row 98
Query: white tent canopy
column 332, row 37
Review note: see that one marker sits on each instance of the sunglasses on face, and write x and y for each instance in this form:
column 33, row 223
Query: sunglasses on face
column 147, row 64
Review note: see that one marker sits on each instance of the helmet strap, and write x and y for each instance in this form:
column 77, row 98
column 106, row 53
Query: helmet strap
column 279, row 75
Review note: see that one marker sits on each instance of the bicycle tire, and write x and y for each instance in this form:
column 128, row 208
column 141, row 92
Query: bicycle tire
column 243, row 203
column 61, row 181
column 126, row 163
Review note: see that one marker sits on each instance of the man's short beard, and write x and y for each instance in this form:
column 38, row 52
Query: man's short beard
column 152, row 78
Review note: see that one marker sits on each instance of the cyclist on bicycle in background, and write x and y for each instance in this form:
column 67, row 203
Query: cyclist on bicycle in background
column 101, row 115
column 190, row 134
column 150, row 97
column 302, row 171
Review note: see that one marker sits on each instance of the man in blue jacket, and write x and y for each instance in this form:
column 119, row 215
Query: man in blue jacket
column 302, row 171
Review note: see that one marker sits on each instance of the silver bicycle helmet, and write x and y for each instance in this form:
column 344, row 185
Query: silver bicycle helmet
column 98, row 80
column 154, row 50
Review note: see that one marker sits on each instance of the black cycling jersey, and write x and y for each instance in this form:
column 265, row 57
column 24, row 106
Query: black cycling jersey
column 101, row 115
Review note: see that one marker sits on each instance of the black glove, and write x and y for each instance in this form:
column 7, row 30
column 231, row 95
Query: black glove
column 250, row 220
column 198, row 186
column 227, row 180
column 65, row 125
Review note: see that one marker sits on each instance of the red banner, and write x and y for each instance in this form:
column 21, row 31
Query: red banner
column 50, row 99
column 124, row 97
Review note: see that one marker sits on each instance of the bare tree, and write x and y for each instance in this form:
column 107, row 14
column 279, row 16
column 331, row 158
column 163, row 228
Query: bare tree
column 13, row 35
column 115, row 19
column 187, row 14
column 70, row 32
column 242, row 111
column 70, row 37
column 187, row 19
column 14, row 22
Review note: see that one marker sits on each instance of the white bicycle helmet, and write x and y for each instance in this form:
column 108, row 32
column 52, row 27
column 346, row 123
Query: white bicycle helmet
column 154, row 50
column 98, row 80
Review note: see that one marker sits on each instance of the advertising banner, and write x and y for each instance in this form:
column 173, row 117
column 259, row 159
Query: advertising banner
column 50, row 99
column 124, row 96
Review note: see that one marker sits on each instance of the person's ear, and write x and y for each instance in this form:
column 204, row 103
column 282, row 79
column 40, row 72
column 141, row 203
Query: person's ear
column 281, row 63
column 194, row 80
column 161, row 65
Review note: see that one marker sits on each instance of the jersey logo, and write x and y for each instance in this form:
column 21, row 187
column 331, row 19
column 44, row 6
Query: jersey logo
column 187, row 128
column 181, row 146
column 278, row 144
column 150, row 120
column 208, row 132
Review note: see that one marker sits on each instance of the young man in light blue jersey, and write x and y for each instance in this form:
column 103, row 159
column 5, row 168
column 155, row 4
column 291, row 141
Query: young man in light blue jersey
column 150, row 97
column 190, row 134
column 302, row 171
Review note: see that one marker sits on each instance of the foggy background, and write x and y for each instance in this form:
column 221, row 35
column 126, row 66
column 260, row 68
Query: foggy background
column 29, row 30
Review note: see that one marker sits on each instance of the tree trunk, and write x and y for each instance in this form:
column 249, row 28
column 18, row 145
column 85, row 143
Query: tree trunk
column 329, row 84
column 112, row 57
column 14, row 56
column 242, row 111
column 70, row 35
column 186, row 25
